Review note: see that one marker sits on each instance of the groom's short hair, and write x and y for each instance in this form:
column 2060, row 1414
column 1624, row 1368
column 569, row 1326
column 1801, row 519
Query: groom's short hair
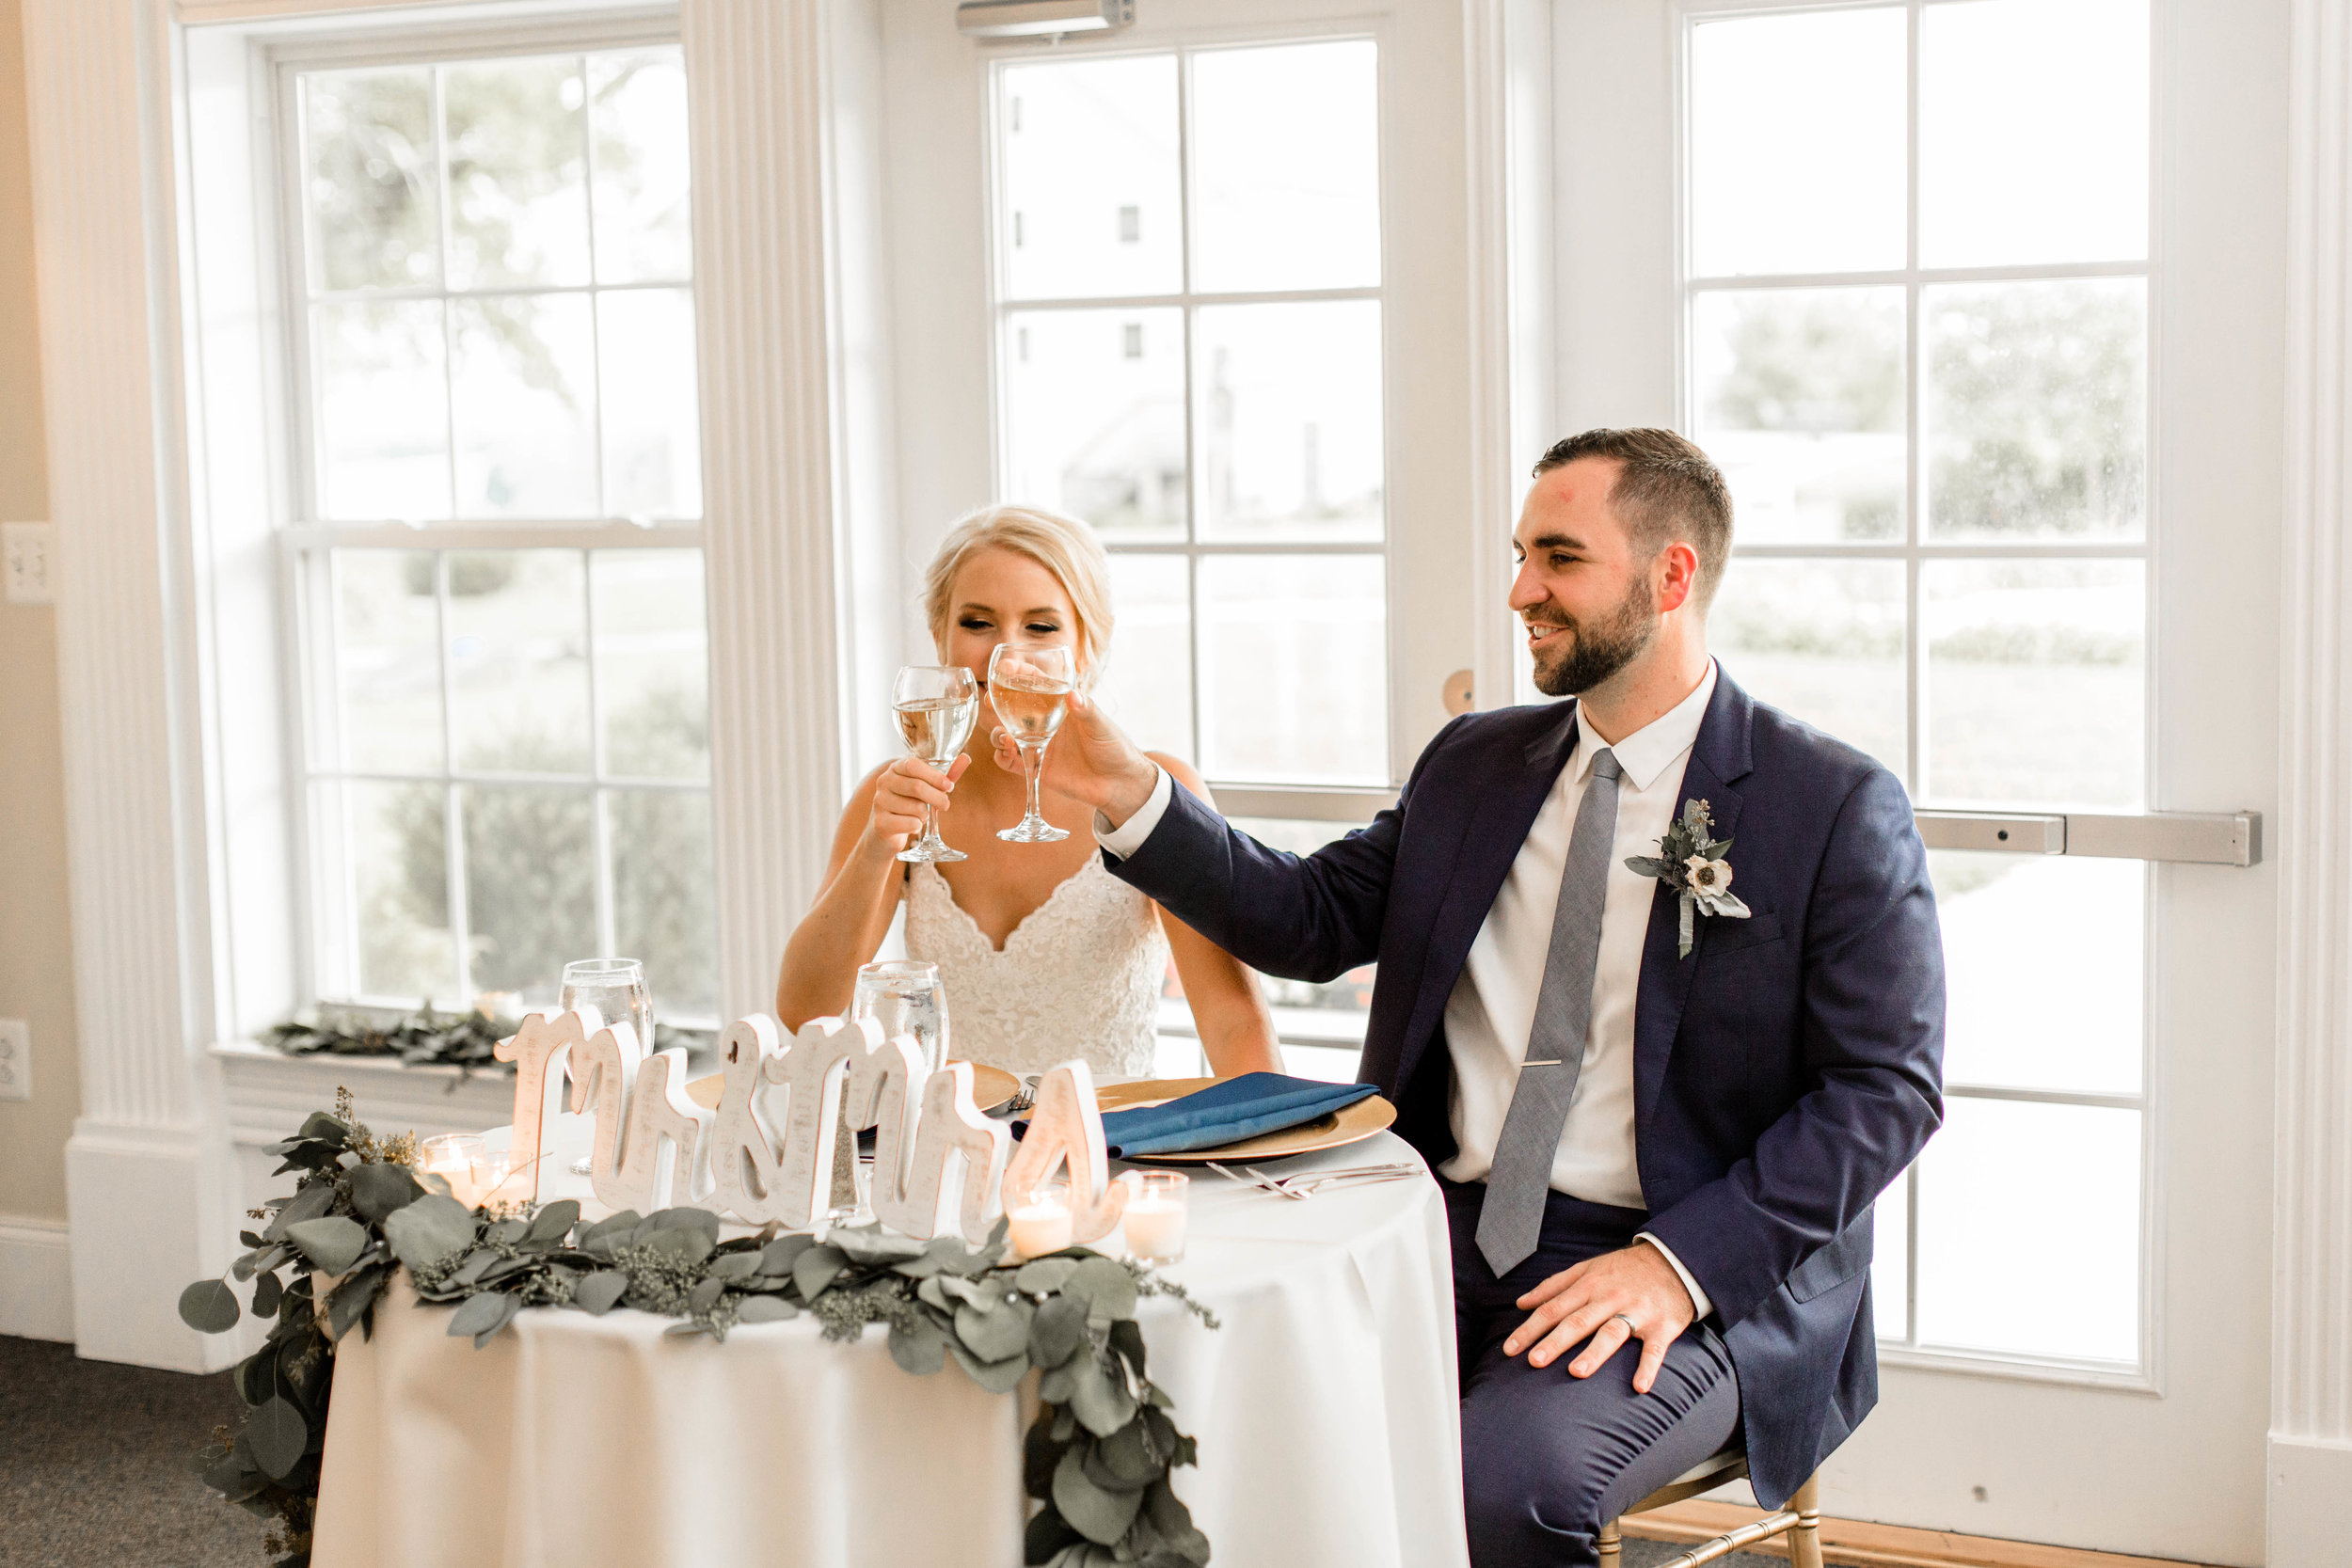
column 1667, row 489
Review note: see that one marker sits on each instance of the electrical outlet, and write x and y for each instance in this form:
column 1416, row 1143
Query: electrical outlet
column 27, row 552
column 16, row 1059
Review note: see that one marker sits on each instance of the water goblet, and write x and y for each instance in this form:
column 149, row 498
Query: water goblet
column 936, row 707
column 904, row 997
column 1029, row 688
column 616, row 988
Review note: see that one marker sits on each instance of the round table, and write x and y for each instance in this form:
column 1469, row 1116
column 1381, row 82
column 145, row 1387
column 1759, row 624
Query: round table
column 1326, row 1408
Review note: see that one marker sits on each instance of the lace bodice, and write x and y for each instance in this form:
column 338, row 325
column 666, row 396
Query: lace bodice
column 1080, row 976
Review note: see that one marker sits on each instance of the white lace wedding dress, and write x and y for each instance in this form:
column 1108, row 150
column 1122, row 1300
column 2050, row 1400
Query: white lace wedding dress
column 1080, row 976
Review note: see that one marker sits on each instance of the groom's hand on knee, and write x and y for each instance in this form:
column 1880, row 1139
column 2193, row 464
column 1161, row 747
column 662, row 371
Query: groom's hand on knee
column 1599, row 1298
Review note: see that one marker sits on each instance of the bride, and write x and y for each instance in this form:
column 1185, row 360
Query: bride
column 1044, row 954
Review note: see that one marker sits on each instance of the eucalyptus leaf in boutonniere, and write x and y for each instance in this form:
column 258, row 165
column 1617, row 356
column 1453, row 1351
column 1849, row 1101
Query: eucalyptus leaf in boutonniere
column 1690, row 861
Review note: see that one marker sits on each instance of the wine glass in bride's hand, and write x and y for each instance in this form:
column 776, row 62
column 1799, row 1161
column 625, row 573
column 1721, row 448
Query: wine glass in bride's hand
column 1029, row 689
column 936, row 705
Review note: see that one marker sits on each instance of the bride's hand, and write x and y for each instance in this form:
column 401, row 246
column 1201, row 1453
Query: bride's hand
column 1091, row 760
column 902, row 790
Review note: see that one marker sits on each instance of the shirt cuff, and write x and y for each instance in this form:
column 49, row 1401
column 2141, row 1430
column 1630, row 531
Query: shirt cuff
column 1699, row 1303
column 1128, row 837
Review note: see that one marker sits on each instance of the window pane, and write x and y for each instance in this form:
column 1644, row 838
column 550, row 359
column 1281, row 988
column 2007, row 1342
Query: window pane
column 2036, row 682
column 2041, row 956
column 2035, row 415
column 1890, row 1259
column 664, row 906
column 652, row 423
column 1289, row 417
column 2011, row 1191
column 1322, row 1024
column 517, row 149
column 1286, row 167
column 1091, row 204
column 2033, row 132
column 530, row 890
column 1147, row 685
column 383, row 411
column 395, row 835
column 517, row 662
column 637, row 115
column 1822, row 640
column 653, row 663
column 387, row 667
column 1798, row 137
column 1800, row 401
column 524, row 392
column 1094, row 411
column 370, row 181
column 1296, row 656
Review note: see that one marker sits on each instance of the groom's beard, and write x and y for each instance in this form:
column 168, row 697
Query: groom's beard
column 1596, row 652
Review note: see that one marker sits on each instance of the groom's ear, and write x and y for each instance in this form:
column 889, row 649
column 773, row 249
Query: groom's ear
column 1677, row 574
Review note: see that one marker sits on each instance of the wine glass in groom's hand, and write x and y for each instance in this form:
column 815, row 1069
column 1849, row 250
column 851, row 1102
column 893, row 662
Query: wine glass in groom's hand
column 1093, row 761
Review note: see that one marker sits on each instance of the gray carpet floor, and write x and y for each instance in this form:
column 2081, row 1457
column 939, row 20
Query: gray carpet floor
column 94, row 1469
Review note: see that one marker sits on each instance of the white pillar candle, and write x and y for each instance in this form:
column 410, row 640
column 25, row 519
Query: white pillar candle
column 1038, row 1228
column 1158, row 1203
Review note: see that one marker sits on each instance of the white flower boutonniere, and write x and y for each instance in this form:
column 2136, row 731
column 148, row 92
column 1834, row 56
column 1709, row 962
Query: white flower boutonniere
column 1690, row 861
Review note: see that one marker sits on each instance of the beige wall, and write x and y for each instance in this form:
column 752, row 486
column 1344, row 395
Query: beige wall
column 35, row 947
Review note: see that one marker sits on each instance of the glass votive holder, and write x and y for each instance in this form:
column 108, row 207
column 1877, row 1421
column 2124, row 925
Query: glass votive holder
column 451, row 1157
column 1159, row 1204
column 502, row 1176
column 1042, row 1225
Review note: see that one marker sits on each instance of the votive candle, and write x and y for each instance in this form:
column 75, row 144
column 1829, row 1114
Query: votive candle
column 1042, row 1225
column 452, row 1157
column 1158, row 1209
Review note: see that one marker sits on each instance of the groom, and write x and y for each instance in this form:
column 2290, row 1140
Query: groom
column 1635, row 1146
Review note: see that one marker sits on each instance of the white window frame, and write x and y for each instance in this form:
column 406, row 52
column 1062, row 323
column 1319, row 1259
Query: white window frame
column 1914, row 549
column 307, row 542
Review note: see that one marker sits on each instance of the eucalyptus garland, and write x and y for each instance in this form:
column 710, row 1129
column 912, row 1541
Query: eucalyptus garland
column 459, row 1039
column 1098, row 1456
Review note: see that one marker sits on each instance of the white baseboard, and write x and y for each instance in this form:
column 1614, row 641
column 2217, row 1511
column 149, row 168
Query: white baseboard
column 35, row 1278
column 2310, row 1479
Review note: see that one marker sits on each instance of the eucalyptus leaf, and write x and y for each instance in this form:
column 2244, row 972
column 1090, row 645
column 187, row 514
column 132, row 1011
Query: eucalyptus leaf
column 705, row 1295
column 267, row 1289
column 478, row 1263
column 554, row 1222
column 241, row 1269
column 1127, row 1455
column 352, row 1297
column 597, row 1293
column 209, row 1307
column 427, row 1231
column 734, row 1265
column 1127, row 1341
column 686, row 1244
column 918, row 1345
column 934, row 1293
column 507, row 1232
column 1057, row 1331
column 1099, row 1514
column 687, row 1218
column 323, row 1128
column 873, row 1245
column 769, row 1309
column 256, row 1376
column 307, row 1204
column 613, row 1229
column 483, row 1315
column 996, row 1332
column 377, row 1190
column 278, row 1435
column 1054, row 1387
column 997, row 1377
column 1102, row 1403
column 817, row 1268
column 1106, row 1288
column 1042, row 1277
column 332, row 1245
column 777, row 1256
column 1048, row 1533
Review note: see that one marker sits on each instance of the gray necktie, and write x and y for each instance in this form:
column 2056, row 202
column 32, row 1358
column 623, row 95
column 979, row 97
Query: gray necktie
column 1513, row 1215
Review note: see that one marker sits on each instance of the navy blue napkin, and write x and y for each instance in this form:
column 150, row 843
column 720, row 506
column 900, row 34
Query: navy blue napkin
column 1227, row 1113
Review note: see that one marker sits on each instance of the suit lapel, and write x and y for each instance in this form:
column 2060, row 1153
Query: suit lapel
column 1492, row 835
column 1719, row 756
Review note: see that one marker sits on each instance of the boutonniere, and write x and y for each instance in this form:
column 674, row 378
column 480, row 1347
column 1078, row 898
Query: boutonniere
column 1692, row 863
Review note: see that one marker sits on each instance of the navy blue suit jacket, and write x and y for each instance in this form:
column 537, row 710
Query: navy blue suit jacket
column 1785, row 1073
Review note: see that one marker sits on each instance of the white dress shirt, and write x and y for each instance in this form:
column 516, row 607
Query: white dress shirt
column 1492, row 1009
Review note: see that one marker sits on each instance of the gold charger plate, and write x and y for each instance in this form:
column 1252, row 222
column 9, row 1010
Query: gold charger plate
column 992, row 1087
column 1350, row 1124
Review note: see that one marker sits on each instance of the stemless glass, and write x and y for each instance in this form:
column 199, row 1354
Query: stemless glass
column 616, row 988
column 937, row 705
column 1029, row 688
column 904, row 996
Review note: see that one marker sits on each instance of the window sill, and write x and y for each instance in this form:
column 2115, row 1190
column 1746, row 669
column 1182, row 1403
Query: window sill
column 267, row 1093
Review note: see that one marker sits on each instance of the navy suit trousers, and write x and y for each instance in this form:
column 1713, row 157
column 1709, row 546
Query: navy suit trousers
column 1548, row 1458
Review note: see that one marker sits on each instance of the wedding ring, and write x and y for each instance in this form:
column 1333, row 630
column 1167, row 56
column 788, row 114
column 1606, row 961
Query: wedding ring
column 1629, row 1326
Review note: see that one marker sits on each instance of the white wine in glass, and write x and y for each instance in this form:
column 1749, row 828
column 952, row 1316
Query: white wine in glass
column 1029, row 689
column 936, row 707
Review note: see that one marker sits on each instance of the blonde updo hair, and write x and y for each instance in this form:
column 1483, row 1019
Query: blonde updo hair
column 1063, row 545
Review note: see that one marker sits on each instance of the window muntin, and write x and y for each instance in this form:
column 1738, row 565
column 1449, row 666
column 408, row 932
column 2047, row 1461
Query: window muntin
column 1917, row 335
column 506, row 743
column 1190, row 350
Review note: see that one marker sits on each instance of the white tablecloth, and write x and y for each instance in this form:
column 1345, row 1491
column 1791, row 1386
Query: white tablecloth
column 1324, row 1408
